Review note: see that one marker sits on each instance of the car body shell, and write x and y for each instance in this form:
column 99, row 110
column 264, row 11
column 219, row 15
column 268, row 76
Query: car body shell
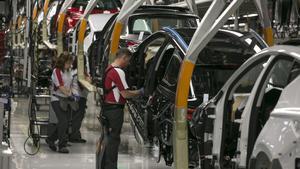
column 276, row 144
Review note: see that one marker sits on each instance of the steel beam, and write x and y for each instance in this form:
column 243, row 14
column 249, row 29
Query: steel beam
column 192, row 5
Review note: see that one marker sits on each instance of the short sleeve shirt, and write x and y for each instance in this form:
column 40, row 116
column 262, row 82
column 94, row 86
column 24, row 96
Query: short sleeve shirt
column 60, row 78
column 115, row 77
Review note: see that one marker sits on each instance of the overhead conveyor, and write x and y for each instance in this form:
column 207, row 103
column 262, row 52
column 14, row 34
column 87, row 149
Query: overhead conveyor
column 60, row 26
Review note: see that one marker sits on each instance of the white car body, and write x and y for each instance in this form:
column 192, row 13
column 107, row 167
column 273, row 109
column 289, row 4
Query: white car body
column 274, row 142
column 282, row 146
column 96, row 23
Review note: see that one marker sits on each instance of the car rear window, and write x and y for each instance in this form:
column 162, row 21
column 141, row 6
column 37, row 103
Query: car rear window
column 150, row 24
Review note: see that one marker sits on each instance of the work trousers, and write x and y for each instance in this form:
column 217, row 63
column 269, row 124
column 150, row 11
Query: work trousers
column 59, row 130
column 115, row 119
column 77, row 119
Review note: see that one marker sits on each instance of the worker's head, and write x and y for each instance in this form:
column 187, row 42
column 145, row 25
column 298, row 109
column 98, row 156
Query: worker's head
column 123, row 57
column 64, row 61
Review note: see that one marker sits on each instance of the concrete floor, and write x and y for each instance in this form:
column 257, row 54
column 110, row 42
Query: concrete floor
column 82, row 156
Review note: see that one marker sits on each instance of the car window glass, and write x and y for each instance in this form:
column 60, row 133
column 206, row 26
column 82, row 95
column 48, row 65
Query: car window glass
column 276, row 81
column 141, row 25
column 279, row 74
column 152, row 49
column 153, row 24
column 172, row 71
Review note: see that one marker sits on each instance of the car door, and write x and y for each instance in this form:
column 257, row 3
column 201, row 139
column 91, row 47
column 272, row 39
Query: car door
column 140, row 65
column 140, row 72
column 97, row 49
column 216, row 123
column 264, row 98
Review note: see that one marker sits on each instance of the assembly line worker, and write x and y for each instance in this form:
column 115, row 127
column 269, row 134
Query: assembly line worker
column 77, row 118
column 114, row 100
column 60, row 94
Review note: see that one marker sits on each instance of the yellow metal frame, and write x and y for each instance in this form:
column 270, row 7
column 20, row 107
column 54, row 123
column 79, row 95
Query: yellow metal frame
column 44, row 26
column 35, row 12
column 116, row 38
column 20, row 18
column 60, row 28
column 80, row 57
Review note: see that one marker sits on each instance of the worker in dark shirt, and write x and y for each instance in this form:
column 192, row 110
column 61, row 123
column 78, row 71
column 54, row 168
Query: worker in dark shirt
column 117, row 91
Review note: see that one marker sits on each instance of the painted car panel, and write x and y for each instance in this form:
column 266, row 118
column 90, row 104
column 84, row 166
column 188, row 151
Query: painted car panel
column 282, row 121
column 284, row 124
column 96, row 23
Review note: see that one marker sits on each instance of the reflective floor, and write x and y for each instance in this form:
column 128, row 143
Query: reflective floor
column 82, row 156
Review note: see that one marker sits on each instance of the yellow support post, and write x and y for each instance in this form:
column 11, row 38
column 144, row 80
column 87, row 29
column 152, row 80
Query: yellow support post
column 80, row 57
column 60, row 27
column 35, row 12
column 44, row 24
column 268, row 36
column 19, row 30
column 213, row 20
column 180, row 137
column 263, row 12
column 116, row 38
column 80, row 46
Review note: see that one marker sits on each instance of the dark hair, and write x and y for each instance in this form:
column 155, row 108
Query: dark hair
column 62, row 59
column 123, row 52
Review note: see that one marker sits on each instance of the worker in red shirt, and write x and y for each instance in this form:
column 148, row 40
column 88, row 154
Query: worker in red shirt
column 115, row 95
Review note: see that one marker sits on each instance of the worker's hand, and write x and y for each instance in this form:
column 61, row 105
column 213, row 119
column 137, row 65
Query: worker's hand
column 141, row 91
column 75, row 97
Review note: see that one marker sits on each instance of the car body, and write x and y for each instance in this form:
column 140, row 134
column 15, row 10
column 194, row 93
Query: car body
column 102, row 6
column 96, row 26
column 253, row 118
column 101, row 48
column 75, row 12
column 149, row 19
column 155, row 66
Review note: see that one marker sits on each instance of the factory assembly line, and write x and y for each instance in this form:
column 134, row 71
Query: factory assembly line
column 150, row 84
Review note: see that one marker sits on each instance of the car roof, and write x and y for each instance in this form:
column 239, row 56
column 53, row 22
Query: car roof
column 187, row 33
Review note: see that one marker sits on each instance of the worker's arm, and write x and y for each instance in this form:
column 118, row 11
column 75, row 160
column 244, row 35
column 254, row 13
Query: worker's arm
column 65, row 91
column 127, row 94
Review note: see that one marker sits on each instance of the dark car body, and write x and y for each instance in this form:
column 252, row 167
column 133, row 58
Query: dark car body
column 149, row 19
column 155, row 66
column 130, row 36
